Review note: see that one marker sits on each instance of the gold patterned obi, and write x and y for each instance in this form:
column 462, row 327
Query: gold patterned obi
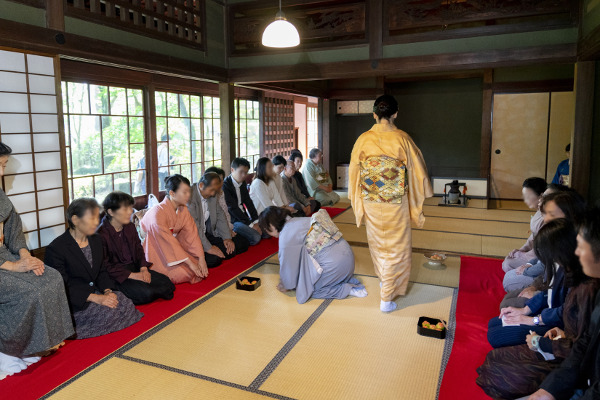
column 383, row 179
column 322, row 233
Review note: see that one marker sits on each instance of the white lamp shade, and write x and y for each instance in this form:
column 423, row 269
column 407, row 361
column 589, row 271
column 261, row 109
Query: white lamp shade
column 280, row 33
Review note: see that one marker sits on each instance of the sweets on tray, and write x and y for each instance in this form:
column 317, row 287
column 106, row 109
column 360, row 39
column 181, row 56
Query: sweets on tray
column 437, row 327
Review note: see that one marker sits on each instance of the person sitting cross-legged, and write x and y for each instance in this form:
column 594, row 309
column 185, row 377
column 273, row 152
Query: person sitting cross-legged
column 293, row 192
column 239, row 204
column 211, row 222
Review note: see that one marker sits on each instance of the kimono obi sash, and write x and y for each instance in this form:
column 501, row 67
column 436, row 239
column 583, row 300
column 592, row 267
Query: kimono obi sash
column 383, row 179
column 322, row 233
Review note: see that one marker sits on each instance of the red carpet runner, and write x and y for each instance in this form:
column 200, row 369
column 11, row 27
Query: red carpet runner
column 77, row 355
column 479, row 295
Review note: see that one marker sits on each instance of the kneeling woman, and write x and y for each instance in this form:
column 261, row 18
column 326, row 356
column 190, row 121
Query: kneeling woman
column 172, row 243
column 125, row 259
column 314, row 258
column 78, row 255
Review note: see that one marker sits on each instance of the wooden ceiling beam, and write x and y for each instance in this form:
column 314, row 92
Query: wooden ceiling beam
column 80, row 48
column 562, row 53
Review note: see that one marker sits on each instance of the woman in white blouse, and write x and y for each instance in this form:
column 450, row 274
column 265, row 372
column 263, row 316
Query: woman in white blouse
column 263, row 190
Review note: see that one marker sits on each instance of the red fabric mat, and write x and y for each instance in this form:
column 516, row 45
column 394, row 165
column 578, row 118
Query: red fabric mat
column 479, row 295
column 77, row 355
column 333, row 211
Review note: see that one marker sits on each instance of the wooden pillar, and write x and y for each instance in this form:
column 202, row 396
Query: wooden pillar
column 261, row 126
column 375, row 31
column 226, row 99
column 486, row 126
column 55, row 15
column 324, row 107
column 152, row 183
column 581, row 139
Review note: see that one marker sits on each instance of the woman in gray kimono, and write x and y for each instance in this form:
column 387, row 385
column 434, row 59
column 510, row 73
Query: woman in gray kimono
column 314, row 259
column 34, row 313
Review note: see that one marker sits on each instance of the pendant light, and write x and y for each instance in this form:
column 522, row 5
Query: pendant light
column 280, row 33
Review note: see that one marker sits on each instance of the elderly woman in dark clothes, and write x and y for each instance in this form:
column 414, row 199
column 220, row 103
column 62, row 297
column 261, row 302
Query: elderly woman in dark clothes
column 79, row 256
column 124, row 255
column 34, row 313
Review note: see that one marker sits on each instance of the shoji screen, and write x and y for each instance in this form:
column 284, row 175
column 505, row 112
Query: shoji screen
column 29, row 125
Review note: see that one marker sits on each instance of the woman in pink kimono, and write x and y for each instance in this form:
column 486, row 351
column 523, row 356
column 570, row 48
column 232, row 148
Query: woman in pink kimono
column 172, row 243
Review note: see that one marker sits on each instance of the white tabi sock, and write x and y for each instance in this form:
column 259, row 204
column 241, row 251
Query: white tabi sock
column 358, row 292
column 387, row 306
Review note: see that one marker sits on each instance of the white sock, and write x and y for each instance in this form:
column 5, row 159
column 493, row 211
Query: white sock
column 387, row 306
column 11, row 365
column 31, row 360
column 358, row 292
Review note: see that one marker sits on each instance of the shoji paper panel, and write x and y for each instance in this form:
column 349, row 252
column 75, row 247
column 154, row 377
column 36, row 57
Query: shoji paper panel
column 29, row 125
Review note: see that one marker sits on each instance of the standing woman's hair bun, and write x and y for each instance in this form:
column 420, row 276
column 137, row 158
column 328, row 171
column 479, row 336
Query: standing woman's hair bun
column 5, row 150
column 385, row 106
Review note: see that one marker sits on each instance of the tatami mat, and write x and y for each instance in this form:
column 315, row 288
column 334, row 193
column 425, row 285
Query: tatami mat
column 353, row 351
column 232, row 336
column 421, row 271
column 123, row 379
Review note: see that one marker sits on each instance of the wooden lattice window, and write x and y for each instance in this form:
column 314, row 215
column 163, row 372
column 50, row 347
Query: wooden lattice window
column 279, row 126
column 105, row 146
column 247, row 130
column 188, row 130
column 181, row 21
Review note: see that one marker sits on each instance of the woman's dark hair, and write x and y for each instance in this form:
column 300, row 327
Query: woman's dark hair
column 208, row 178
column 555, row 243
column 538, row 185
column 557, row 187
column 5, row 150
column 79, row 207
column 314, row 153
column 216, row 170
column 240, row 162
column 262, row 172
column 296, row 154
column 385, row 106
column 275, row 216
column 279, row 160
column 589, row 229
column 570, row 203
column 115, row 200
column 173, row 182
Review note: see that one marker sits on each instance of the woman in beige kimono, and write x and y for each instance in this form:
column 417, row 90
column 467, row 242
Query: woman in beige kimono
column 387, row 187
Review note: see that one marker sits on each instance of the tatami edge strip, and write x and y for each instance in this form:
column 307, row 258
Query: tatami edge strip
column 134, row 342
column 204, row 377
column 274, row 363
column 449, row 340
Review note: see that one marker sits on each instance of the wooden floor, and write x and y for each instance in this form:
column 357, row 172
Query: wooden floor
column 474, row 230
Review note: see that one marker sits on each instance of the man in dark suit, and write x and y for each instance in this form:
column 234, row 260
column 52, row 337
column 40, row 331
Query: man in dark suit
column 578, row 377
column 241, row 209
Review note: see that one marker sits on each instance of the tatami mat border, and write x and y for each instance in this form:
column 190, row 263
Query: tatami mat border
column 119, row 352
column 268, row 370
column 449, row 340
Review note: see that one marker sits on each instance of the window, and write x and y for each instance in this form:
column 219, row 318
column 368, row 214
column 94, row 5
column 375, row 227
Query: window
column 105, row 141
column 188, row 130
column 312, row 129
column 29, row 125
column 247, row 130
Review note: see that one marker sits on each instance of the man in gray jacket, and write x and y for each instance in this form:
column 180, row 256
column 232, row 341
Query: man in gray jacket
column 293, row 192
column 212, row 224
